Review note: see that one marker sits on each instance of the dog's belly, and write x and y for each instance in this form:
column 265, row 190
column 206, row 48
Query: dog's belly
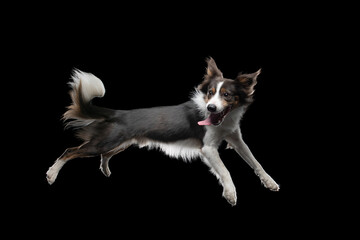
column 186, row 149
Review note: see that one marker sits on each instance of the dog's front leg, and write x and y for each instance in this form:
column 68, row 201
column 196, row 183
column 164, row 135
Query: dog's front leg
column 235, row 140
column 212, row 158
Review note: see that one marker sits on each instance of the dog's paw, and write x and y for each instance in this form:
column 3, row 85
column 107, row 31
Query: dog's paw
column 51, row 175
column 105, row 170
column 267, row 181
column 230, row 196
column 271, row 184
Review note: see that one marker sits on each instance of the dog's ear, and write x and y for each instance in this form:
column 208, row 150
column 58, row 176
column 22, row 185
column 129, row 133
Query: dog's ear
column 212, row 70
column 248, row 81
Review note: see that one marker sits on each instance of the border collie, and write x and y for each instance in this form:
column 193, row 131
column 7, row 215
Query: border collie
column 190, row 130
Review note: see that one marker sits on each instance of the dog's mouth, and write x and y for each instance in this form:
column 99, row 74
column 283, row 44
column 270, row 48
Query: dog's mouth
column 215, row 118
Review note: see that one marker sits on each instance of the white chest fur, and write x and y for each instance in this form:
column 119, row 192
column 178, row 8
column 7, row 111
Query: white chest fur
column 216, row 134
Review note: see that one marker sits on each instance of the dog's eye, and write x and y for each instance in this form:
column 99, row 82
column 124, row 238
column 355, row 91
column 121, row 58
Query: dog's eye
column 211, row 92
column 227, row 96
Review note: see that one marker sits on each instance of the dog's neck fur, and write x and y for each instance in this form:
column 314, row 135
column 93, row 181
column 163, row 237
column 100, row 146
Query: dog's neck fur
column 198, row 98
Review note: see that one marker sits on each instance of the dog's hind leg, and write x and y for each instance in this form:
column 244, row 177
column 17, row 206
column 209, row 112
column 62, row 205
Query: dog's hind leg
column 104, row 164
column 85, row 150
column 53, row 171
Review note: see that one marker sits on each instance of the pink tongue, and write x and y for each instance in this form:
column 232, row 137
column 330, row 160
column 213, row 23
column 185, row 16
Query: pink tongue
column 205, row 122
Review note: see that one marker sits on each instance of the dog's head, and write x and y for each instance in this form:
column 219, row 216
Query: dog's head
column 222, row 95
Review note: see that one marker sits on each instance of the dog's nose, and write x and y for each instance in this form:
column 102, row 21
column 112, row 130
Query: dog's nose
column 211, row 108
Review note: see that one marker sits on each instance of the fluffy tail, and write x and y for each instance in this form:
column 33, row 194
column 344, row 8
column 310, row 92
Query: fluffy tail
column 85, row 87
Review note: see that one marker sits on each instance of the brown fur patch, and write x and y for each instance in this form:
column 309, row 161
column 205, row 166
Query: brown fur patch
column 225, row 103
column 236, row 101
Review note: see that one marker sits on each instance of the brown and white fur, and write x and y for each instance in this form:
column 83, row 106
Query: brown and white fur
column 190, row 130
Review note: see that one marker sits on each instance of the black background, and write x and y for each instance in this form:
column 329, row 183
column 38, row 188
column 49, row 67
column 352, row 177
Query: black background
column 151, row 58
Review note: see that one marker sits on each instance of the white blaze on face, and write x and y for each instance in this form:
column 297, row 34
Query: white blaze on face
column 216, row 99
